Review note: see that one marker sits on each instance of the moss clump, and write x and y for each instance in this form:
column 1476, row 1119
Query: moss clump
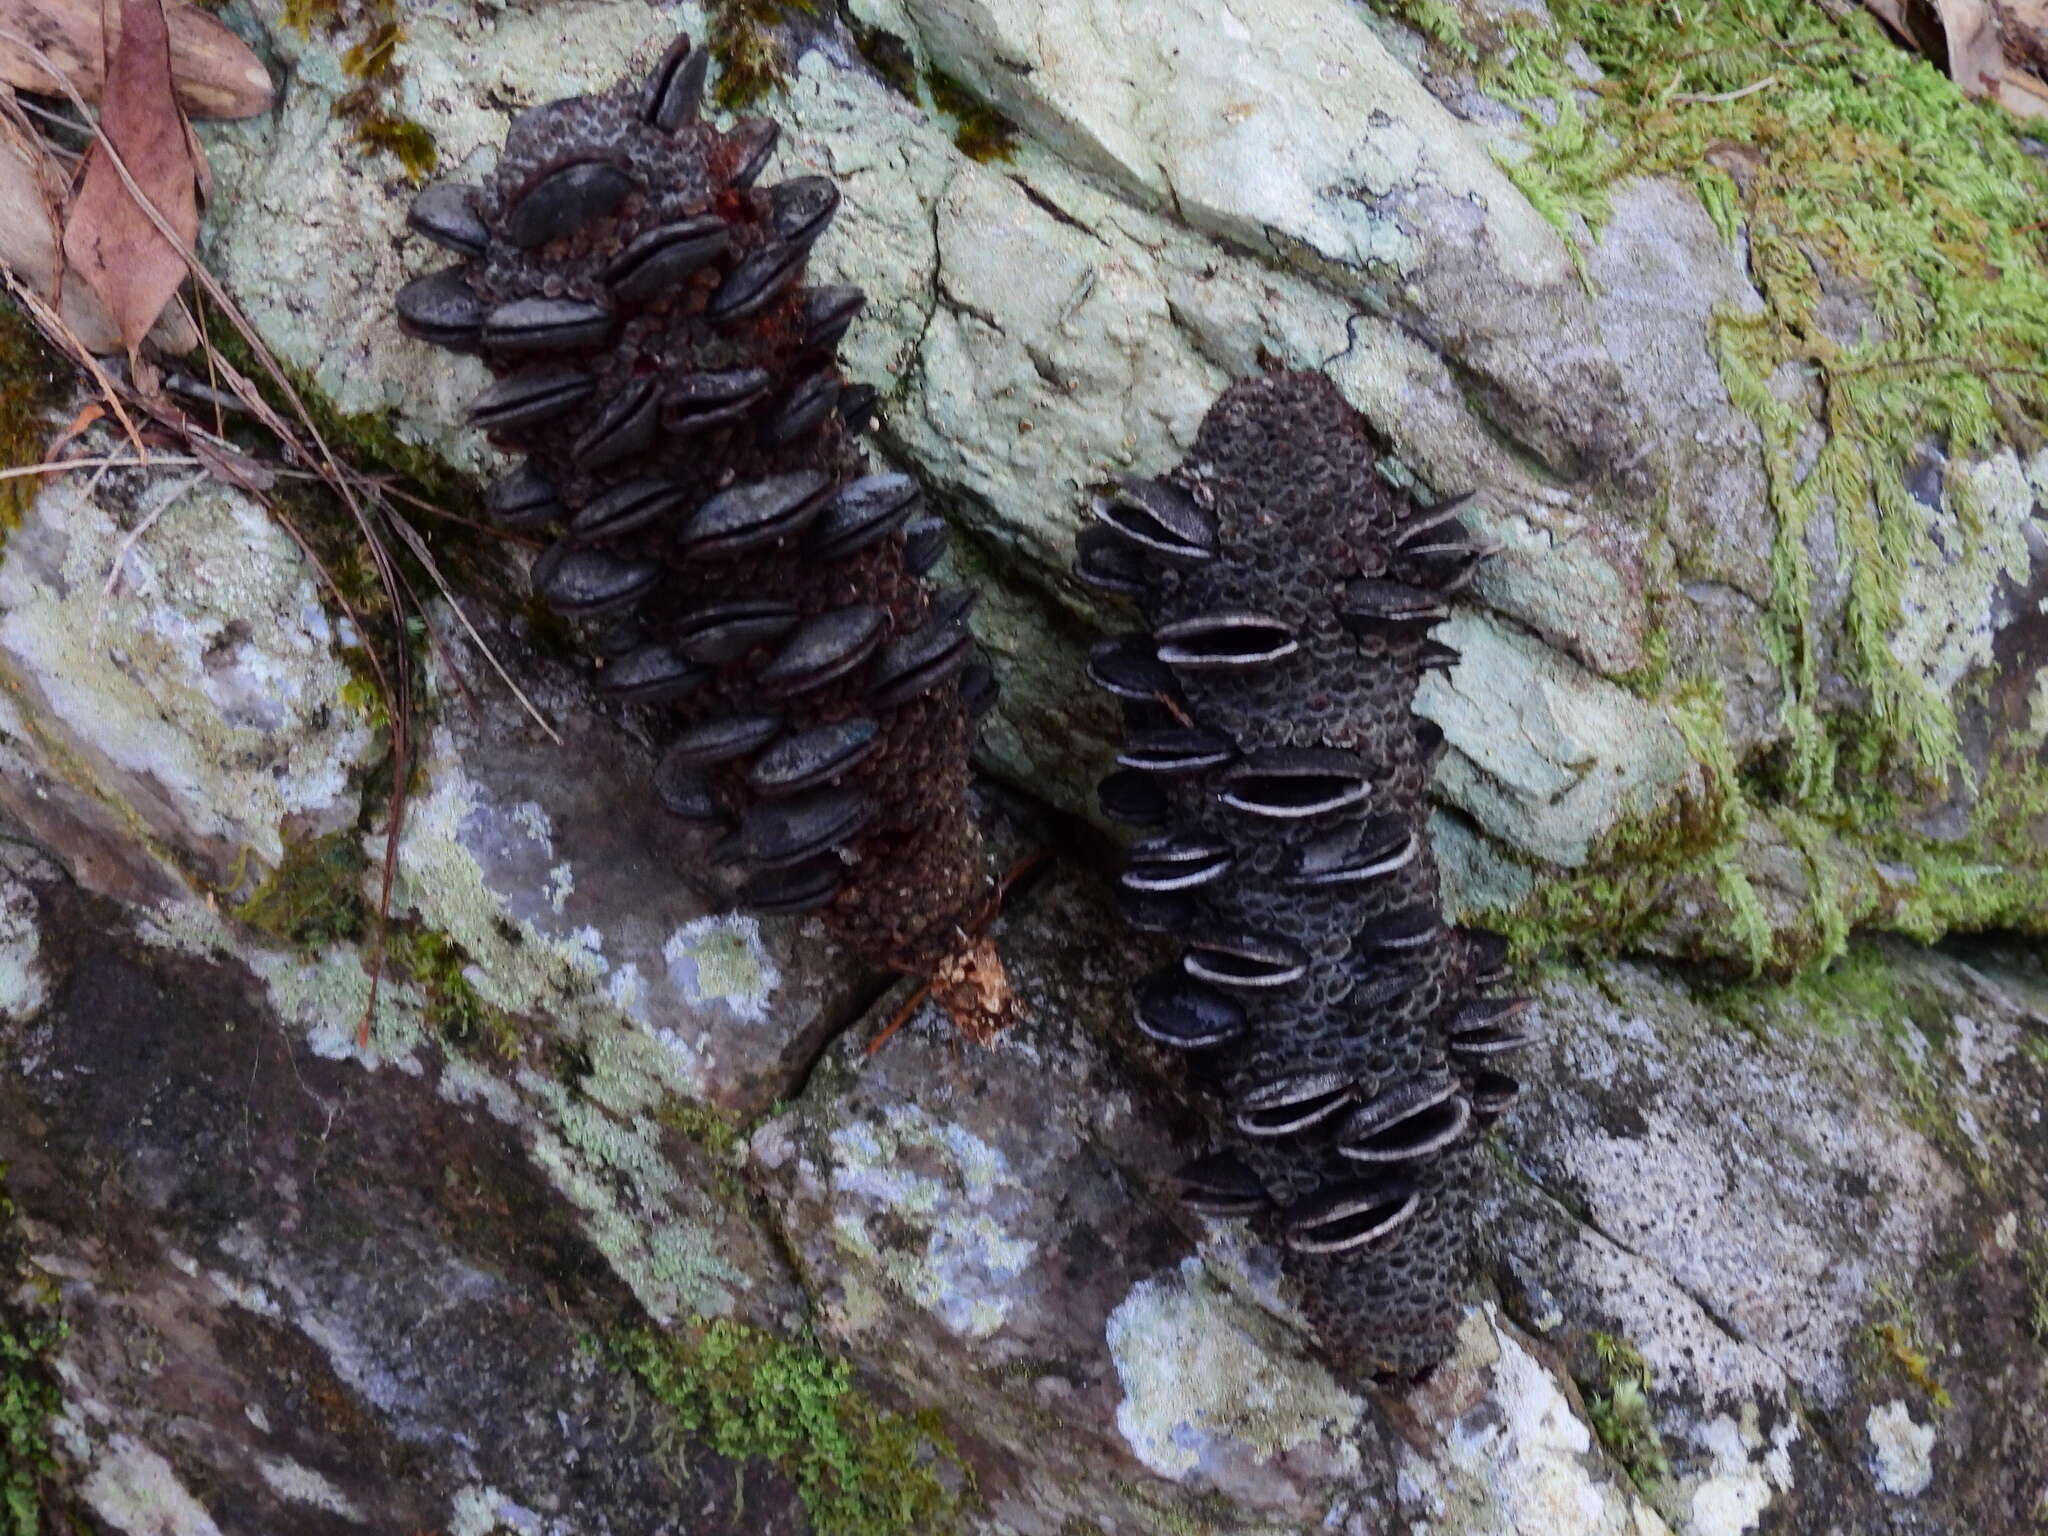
column 314, row 897
column 29, row 1398
column 2034, row 1263
column 1895, row 1342
column 1849, row 165
column 372, row 61
column 1858, row 181
column 980, row 132
column 1617, row 1393
column 1620, row 898
column 399, row 137
column 744, row 39
column 455, row 1010
column 28, row 1401
column 1435, row 20
column 887, row 55
column 32, row 381
column 860, row 1470
column 715, row 1131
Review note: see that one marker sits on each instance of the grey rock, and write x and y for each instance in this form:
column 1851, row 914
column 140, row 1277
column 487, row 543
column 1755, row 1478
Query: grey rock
column 1764, row 1258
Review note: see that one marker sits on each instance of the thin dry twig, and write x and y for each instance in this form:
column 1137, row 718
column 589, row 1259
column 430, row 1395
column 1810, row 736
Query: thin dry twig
column 164, row 504
column 57, row 466
column 1736, row 95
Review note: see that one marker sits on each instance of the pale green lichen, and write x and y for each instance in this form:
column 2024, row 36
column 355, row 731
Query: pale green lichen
column 23, row 986
column 1199, row 1369
column 182, row 672
column 924, row 1202
column 721, row 959
column 1902, row 1450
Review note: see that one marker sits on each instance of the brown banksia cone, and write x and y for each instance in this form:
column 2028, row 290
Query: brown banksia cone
column 1278, row 776
column 672, row 384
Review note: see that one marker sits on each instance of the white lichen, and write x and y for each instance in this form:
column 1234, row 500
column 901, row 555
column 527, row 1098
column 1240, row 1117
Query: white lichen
column 23, row 987
column 1747, row 1471
column 925, row 1203
column 1524, row 1453
column 1208, row 1382
column 300, row 1484
column 721, row 959
column 1901, row 1450
column 138, row 1493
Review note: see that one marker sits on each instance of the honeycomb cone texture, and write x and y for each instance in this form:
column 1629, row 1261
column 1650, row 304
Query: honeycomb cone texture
column 690, row 447
column 1277, row 775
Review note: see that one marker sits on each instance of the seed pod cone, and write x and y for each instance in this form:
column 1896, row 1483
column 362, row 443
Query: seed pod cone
column 1277, row 775
column 692, row 448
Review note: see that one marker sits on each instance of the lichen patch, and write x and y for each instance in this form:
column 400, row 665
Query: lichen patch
column 1902, row 1452
column 721, row 959
column 926, row 1203
column 22, row 983
column 172, row 657
column 135, row 1490
column 1747, row 1472
column 1209, row 1384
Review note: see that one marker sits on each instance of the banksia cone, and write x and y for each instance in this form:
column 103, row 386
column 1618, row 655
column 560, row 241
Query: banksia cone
column 687, row 435
column 1271, row 759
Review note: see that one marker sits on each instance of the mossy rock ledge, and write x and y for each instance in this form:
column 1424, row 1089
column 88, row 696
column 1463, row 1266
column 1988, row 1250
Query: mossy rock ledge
column 1734, row 315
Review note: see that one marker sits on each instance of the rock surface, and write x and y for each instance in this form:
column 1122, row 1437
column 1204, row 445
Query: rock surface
column 1766, row 1257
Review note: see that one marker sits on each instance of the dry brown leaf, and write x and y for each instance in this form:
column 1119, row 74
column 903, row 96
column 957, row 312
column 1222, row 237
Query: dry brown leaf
column 216, row 74
column 1992, row 48
column 109, row 240
column 32, row 189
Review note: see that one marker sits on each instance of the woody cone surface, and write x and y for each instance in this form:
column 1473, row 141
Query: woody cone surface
column 688, row 438
column 1277, row 774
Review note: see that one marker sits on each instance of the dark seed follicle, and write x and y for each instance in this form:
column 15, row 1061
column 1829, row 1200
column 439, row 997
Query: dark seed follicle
column 637, row 290
column 1271, row 757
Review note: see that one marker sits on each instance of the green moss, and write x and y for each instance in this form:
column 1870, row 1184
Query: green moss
column 2034, row 1264
column 744, row 38
column 29, row 1398
column 372, row 60
column 1617, row 1393
column 980, row 132
column 860, row 1470
column 437, row 965
column 404, row 140
column 1844, row 168
column 302, row 16
column 32, row 381
column 314, row 897
column 1435, row 20
column 1647, row 678
column 1863, row 168
column 717, row 1132
column 1619, row 898
column 887, row 55
column 1895, row 1344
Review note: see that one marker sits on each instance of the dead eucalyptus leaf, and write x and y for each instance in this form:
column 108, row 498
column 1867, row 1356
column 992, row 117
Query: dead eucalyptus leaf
column 32, row 190
column 109, row 240
column 1991, row 48
column 216, row 74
